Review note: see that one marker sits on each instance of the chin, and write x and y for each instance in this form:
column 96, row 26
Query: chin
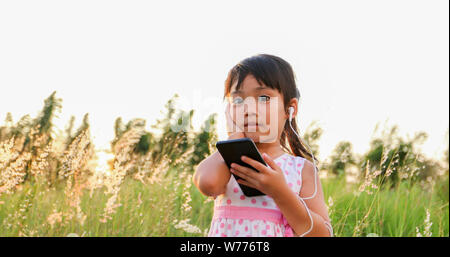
column 253, row 135
column 259, row 137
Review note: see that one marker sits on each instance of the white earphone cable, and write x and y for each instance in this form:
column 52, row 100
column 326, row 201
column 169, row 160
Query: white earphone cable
column 314, row 161
column 310, row 217
column 291, row 110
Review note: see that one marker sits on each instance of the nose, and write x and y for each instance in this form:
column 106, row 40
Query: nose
column 250, row 111
column 250, row 107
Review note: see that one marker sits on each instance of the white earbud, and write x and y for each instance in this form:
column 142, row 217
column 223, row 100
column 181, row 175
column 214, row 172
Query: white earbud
column 291, row 111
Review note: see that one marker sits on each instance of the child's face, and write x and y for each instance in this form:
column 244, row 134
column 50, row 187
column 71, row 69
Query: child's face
column 257, row 110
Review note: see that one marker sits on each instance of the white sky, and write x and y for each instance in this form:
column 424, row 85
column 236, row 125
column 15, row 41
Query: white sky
column 357, row 62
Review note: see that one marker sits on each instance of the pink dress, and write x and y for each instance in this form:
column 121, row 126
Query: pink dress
column 258, row 216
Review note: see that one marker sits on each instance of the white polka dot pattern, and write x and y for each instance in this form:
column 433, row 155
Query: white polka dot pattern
column 292, row 167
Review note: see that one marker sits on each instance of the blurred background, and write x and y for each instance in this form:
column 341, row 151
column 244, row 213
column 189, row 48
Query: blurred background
column 357, row 62
column 91, row 89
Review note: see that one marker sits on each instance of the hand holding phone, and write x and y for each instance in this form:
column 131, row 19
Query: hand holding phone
column 232, row 151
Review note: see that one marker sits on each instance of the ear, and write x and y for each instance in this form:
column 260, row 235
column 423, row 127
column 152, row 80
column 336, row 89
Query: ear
column 292, row 103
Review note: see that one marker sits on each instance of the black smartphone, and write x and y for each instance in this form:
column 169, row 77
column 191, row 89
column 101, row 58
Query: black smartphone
column 232, row 150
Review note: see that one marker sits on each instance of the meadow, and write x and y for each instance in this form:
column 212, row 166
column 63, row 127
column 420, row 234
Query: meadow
column 54, row 183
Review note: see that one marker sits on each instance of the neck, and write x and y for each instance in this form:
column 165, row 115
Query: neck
column 274, row 150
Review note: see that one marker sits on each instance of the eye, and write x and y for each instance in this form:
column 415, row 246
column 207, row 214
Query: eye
column 237, row 100
column 263, row 98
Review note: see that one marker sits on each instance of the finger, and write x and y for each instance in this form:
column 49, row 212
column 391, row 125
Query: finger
column 245, row 170
column 268, row 159
column 244, row 176
column 243, row 182
column 255, row 164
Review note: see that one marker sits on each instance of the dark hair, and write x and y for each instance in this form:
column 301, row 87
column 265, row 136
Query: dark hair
column 275, row 73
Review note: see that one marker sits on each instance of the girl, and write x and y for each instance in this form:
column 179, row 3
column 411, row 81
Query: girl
column 293, row 203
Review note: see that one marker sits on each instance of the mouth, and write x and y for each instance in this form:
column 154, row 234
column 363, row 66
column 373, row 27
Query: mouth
column 251, row 124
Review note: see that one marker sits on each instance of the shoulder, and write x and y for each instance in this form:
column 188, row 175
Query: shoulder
column 307, row 177
column 307, row 169
column 303, row 166
column 301, row 163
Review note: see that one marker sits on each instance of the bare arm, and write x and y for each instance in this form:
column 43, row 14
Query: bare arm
column 295, row 211
column 212, row 174
column 316, row 204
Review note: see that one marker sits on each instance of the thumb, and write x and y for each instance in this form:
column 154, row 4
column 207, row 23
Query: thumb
column 270, row 161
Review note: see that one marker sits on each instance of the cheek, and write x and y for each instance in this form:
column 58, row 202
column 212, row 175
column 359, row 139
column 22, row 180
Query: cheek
column 238, row 114
column 264, row 113
column 273, row 118
column 268, row 117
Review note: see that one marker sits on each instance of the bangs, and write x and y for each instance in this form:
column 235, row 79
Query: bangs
column 268, row 70
column 264, row 70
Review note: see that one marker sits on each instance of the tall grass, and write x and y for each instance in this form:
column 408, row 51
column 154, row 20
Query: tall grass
column 51, row 186
column 174, row 207
column 395, row 212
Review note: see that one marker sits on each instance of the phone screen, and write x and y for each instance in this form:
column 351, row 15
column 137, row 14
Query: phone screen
column 232, row 150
